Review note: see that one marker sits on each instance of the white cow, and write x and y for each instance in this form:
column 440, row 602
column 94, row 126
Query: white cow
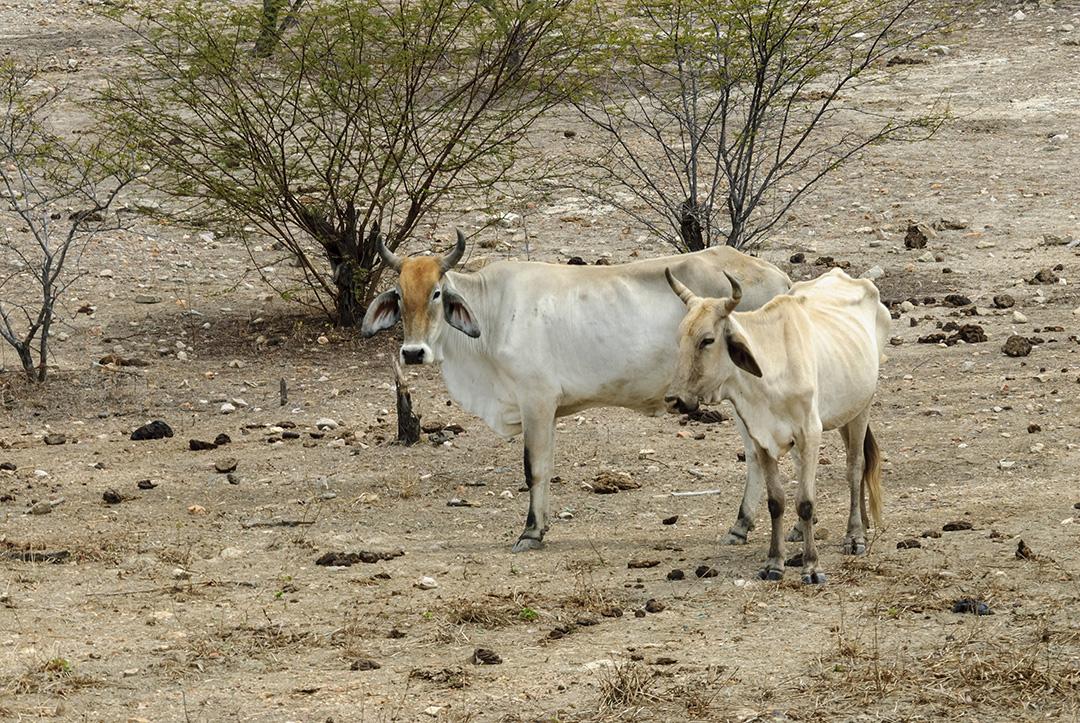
column 522, row 343
column 803, row 363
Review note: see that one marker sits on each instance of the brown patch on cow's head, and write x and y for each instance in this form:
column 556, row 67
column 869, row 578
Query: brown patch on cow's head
column 418, row 282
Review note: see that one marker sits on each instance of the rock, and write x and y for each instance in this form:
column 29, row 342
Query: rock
column 576, row 261
column 1023, row 552
column 222, row 439
column 947, row 224
column 909, row 544
column 971, row 605
column 669, row 520
column 1058, row 138
column 484, row 656
column 226, row 465
column 642, row 564
column 1019, row 318
column 325, row 423
column 112, row 497
column 232, row 478
column 907, row 306
column 1004, row 301
column 146, row 299
column 458, row 502
column 569, row 134
column 706, row 571
column 41, row 508
column 8, row 466
column 941, row 50
column 1018, row 15
column 1016, row 346
column 957, row 300
column 969, row 334
column 956, row 526
column 654, row 606
column 364, row 664
column 105, row 273
column 797, row 258
column 1045, row 277
column 227, row 408
column 915, row 238
column 930, row 533
column 927, row 258
column 154, row 430
column 676, row 575
column 55, row 438
column 196, row 510
column 1033, row 428
column 145, row 484
column 426, row 583
column 873, row 273
column 197, row 445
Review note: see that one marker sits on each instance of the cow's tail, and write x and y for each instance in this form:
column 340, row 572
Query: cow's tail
column 871, row 479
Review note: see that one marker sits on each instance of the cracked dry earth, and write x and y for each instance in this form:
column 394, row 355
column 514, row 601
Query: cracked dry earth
column 172, row 605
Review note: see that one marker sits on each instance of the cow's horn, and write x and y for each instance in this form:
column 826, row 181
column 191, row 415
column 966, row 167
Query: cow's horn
column 736, row 293
column 389, row 257
column 679, row 288
column 451, row 259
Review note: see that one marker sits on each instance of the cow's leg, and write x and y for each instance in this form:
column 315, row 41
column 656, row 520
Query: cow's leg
column 854, row 432
column 774, row 566
column 539, row 433
column 806, row 450
column 755, row 485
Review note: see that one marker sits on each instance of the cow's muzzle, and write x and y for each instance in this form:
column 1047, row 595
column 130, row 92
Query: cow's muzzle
column 419, row 354
column 678, row 405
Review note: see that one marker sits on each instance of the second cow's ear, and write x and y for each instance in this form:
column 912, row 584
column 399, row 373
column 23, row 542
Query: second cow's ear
column 458, row 314
column 384, row 312
column 740, row 354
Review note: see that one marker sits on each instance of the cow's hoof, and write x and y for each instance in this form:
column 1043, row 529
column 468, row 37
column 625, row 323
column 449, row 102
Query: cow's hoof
column 854, row 546
column 733, row 538
column 795, row 535
column 525, row 544
column 813, row 578
column 771, row 574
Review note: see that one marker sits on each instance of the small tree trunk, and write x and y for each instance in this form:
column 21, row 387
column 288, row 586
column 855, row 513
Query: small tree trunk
column 26, row 359
column 347, row 306
column 408, row 424
column 268, row 28
column 690, row 226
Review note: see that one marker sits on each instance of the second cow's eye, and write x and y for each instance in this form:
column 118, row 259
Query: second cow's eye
column 706, row 341
column 436, row 295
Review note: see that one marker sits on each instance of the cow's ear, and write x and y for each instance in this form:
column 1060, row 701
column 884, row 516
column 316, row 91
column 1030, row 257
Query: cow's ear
column 740, row 353
column 458, row 314
column 383, row 313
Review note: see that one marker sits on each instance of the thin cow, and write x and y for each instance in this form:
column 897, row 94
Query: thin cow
column 803, row 363
column 522, row 343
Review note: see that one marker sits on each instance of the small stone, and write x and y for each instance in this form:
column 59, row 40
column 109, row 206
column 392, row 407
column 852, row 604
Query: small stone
column 322, row 340
column 56, row 438
column 196, row 510
column 8, row 466
column 227, row 408
column 909, row 544
column 706, row 571
column 1033, row 428
column 1019, row 318
column 907, row 306
column 222, row 439
column 956, row 526
column 364, row 664
column 1016, row 346
column 797, row 258
column 154, row 430
column 226, row 465
column 426, row 583
column 145, row 484
column 642, row 564
column 930, row 533
column 927, row 257
column 484, row 656
column 971, row 605
column 670, row 520
column 1004, row 301
column 41, row 508
column 654, row 606
column 1019, row 15
column 147, row 299
column 232, row 478
column 639, row 613
column 112, row 497
column 569, row 134
column 325, row 423
column 957, row 300
column 676, row 575
column 873, row 273
column 1045, row 276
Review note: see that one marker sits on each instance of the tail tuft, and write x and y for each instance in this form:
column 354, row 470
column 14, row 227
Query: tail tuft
column 872, row 475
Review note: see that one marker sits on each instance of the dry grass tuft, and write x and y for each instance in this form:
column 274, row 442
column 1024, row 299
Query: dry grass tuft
column 628, row 688
column 490, row 612
column 55, row 676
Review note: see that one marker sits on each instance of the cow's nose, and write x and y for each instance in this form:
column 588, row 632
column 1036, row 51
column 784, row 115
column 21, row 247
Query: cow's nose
column 413, row 356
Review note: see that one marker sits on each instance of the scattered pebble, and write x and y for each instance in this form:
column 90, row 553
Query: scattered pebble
column 197, row 445
column 956, row 526
column 325, row 423
column 56, row 438
column 971, row 605
column 654, row 606
column 930, row 533
column 426, row 583
column 154, row 430
column 226, row 465
column 669, row 520
column 706, row 571
column 145, row 484
column 196, row 510
column 364, row 664
column 112, row 497
column 1004, row 301
column 642, row 564
column 679, row 574
column 1019, row 318
column 484, row 656
column 227, row 408
column 915, row 238
column 909, row 544
column 1016, row 346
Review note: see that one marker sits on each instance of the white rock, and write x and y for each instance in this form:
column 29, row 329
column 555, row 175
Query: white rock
column 336, row 443
column 238, row 401
column 985, row 245
column 927, row 257
column 181, row 356
column 599, row 664
column 1006, row 464
column 433, row 710
column 506, row 495
column 1019, row 15
column 426, row 583
column 907, row 306
column 1076, row 311
column 322, row 340
column 1019, row 318
column 106, row 273
column 1059, row 138
column 325, row 423
column 227, row 408
column 231, row 553
column 874, row 272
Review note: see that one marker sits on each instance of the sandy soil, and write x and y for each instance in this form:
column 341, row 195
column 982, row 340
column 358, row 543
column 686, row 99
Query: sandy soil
column 171, row 607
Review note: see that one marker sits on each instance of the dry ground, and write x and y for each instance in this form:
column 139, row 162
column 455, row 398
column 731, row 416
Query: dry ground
column 162, row 613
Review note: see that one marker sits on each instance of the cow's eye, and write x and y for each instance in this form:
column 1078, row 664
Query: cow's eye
column 436, row 295
column 705, row 342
